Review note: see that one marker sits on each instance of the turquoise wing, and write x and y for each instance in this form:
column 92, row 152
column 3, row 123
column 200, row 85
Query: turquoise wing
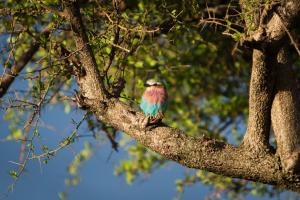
column 164, row 107
column 152, row 109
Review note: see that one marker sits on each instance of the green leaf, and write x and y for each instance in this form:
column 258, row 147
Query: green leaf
column 139, row 64
column 13, row 174
column 107, row 50
column 15, row 135
column 67, row 107
column 62, row 195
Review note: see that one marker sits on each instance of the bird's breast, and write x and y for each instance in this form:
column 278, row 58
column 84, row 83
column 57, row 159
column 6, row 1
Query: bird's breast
column 155, row 95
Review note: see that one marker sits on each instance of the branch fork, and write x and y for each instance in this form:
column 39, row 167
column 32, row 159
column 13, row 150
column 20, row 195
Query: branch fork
column 200, row 153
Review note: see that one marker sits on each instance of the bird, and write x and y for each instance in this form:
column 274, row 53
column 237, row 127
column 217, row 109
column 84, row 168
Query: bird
column 154, row 101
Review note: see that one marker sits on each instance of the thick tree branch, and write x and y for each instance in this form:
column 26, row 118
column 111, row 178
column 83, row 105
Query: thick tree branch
column 199, row 153
column 286, row 113
column 269, row 38
column 260, row 102
column 274, row 21
column 19, row 65
column 91, row 84
column 284, row 18
column 173, row 144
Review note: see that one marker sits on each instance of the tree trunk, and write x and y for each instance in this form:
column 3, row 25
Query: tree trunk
column 286, row 113
column 260, row 102
column 204, row 153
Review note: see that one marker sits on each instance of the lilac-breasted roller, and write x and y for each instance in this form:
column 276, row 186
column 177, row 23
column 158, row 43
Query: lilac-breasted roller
column 154, row 101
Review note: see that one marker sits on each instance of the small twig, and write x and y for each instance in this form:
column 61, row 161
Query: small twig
column 111, row 138
column 120, row 47
column 113, row 51
column 16, row 163
column 131, row 29
column 51, row 10
column 220, row 22
column 37, row 110
column 32, row 117
column 18, row 66
column 63, row 144
column 49, row 153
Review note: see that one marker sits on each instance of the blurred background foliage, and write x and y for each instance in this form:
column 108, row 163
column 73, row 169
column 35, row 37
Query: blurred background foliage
column 192, row 46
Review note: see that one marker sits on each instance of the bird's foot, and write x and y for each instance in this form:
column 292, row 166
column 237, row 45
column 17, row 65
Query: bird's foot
column 143, row 122
column 147, row 123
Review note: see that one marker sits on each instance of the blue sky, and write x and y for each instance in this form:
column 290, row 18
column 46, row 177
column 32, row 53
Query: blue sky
column 97, row 174
column 98, row 181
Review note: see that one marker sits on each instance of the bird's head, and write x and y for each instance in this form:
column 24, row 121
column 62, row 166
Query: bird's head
column 152, row 82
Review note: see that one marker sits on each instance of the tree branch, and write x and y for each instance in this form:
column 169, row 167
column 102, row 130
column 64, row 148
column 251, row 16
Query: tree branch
column 91, row 84
column 274, row 21
column 286, row 113
column 173, row 144
column 19, row 65
column 260, row 102
column 269, row 38
column 199, row 153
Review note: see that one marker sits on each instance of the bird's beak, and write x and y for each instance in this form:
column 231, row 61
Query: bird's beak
column 146, row 85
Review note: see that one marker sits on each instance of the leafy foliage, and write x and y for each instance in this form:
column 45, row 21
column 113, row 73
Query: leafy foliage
column 179, row 42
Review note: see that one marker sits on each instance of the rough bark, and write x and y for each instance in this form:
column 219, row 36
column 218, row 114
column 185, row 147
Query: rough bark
column 271, row 25
column 198, row 153
column 286, row 113
column 173, row 144
column 286, row 107
column 261, row 85
column 91, row 84
column 260, row 102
